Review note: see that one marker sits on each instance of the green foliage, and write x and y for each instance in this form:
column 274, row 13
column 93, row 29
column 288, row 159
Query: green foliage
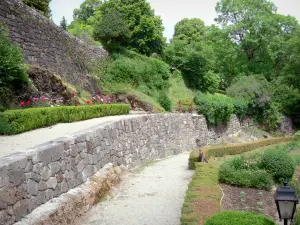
column 244, row 177
column 238, row 218
column 63, row 23
column 40, row 5
column 112, row 30
column 189, row 30
column 18, row 121
column 195, row 61
column 257, row 92
column 216, row 108
column 145, row 29
column 240, row 107
column 211, row 82
column 13, row 73
column 139, row 71
column 278, row 163
column 165, row 101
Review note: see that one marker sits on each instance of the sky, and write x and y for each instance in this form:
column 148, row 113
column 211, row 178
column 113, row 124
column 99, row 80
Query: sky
column 172, row 11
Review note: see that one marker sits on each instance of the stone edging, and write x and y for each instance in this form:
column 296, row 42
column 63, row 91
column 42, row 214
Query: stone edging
column 75, row 203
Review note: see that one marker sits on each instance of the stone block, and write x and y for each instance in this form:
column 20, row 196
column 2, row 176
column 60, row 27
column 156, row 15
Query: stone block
column 42, row 185
column 45, row 173
column 52, row 183
column 20, row 209
column 33, row 187
column 16, row 177
column 54, row 168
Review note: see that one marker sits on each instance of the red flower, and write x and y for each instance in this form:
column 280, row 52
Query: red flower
column 29, row 102
column 22, row 104
column 88, row 102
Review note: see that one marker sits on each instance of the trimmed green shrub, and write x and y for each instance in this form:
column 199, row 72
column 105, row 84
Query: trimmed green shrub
column 18, row 121
column 238, row 218
column 247, row 178
column 13, row 74
column 235, row 149
column 216, row 108
column 165, row 101
column 278, row 163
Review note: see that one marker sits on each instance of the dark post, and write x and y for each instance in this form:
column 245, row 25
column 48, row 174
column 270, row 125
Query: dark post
column 285, row 222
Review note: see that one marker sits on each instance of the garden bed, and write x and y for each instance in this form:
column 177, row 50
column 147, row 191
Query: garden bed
column 250, row 200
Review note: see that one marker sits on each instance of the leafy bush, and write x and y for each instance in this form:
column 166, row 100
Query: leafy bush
column 18, row 121
column 235, row 149
column 13, row 74
column 261, row 98
column 164, row 101
column 278, row 163
column 216, row 108
column 139, row 70
column 240, row 107
column 238, row 218
column 242, row 177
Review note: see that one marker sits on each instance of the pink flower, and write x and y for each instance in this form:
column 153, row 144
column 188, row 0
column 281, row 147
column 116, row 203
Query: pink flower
column 29, row 102
column 22, row 104
column 35, row 99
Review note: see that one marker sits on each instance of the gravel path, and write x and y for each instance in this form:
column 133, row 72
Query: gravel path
column 151, row 197
column 21, row 142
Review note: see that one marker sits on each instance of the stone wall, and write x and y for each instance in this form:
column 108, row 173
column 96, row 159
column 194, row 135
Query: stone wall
column 46, row 45
column 32, row 178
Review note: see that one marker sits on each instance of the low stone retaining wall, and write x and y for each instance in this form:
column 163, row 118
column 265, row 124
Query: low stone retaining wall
column 30, row 179
column 72, row 205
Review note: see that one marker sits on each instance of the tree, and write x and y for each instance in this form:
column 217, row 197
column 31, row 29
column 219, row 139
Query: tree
column 258, row 32
column 146, row 29
column 112, row 31
column 86, row 10
column 190, row 30
column 40, row 5
column 63, row 23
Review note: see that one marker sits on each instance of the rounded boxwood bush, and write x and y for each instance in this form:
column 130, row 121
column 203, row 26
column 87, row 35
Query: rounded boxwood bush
column 238, row 218
column 279, row 164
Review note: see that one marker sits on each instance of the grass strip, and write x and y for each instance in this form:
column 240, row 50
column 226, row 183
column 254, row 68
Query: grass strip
column 203, row 196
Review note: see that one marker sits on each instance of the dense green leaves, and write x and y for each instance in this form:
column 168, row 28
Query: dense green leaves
column 13, row 74
column 216, row 108
column 40, row 5
column 145, row 29
column 190, row 30
column 112, row 31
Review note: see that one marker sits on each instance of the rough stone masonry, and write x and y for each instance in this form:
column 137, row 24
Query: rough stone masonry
column 30, row 179
column 46, row 45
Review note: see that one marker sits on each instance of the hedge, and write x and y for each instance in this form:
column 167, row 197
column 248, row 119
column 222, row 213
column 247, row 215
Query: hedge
column 18, row 121
column 233, row 149
column 238, row 218
column 245, row 178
